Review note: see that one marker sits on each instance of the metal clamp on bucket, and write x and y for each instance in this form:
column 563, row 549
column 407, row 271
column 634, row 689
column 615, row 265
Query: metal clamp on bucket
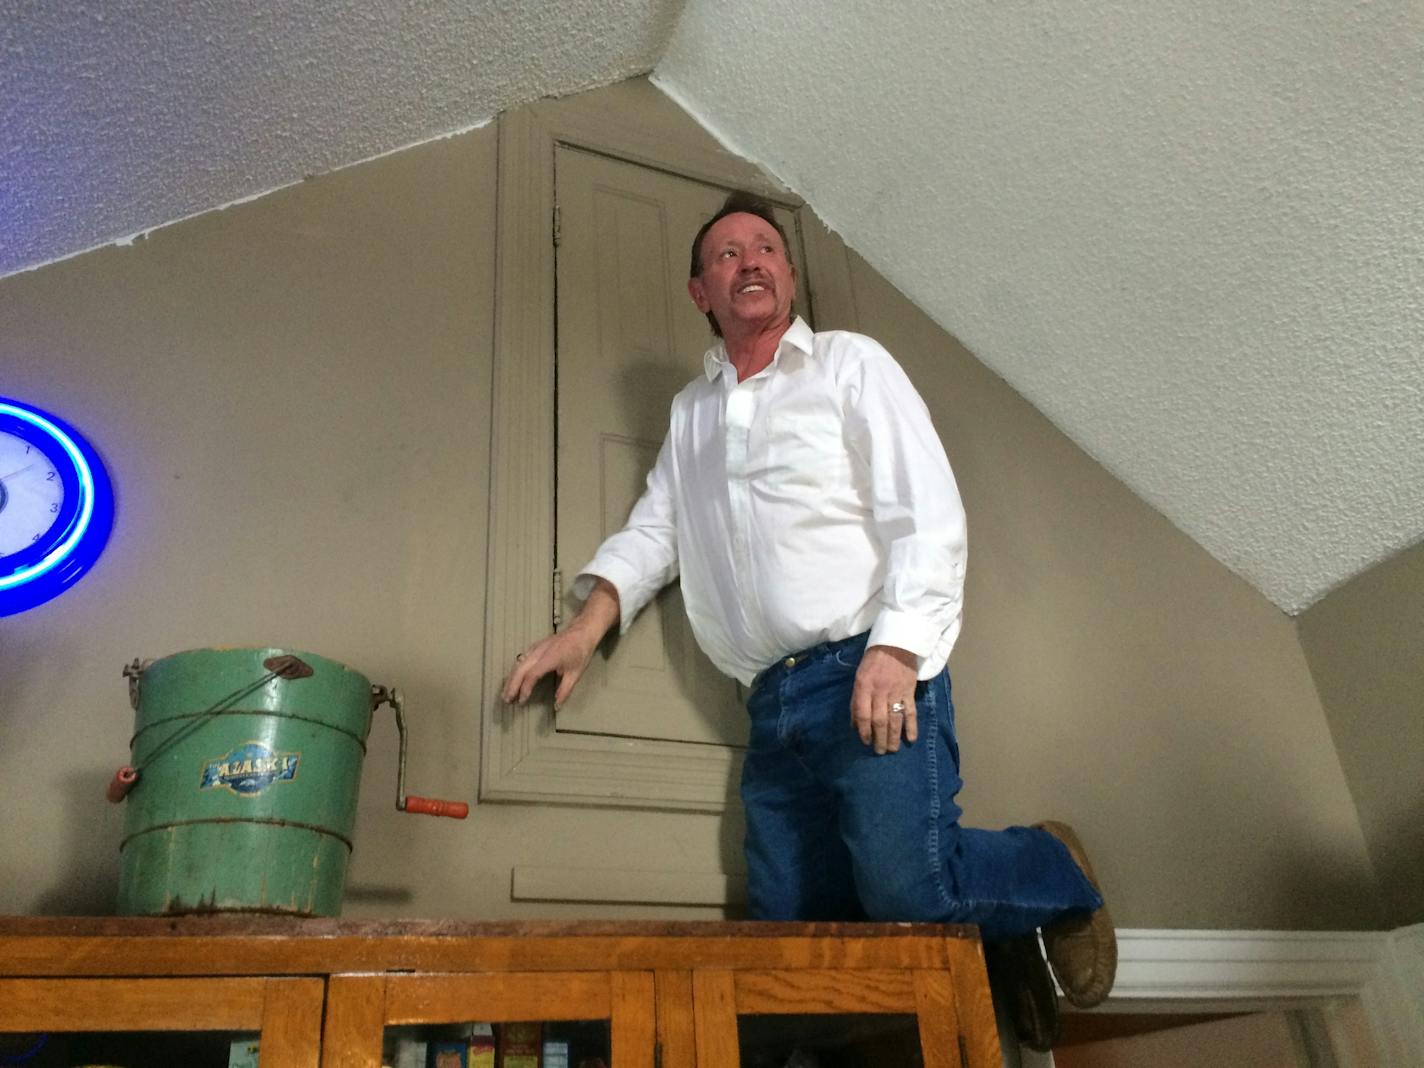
column 243, row 781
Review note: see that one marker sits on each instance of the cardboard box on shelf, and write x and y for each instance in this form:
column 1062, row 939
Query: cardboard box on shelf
column 243, row 1053
column 519, row 1045
column 482, row 1050
column 556, row 1054
column 448, row 1053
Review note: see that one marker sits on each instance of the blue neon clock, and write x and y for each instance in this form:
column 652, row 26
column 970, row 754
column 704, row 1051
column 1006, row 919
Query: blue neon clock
column 56, row 506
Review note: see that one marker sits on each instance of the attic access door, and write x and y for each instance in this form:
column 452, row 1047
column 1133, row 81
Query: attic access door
column 629, row 339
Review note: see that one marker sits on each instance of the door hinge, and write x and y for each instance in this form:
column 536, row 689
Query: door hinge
column 558, row 226
column 558, row 605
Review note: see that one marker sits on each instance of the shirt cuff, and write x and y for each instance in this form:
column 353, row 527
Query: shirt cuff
column 620, row 577
column 913, row 633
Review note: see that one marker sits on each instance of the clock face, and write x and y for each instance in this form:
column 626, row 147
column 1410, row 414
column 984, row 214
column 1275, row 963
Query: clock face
column 56, row 506
column 31, row 494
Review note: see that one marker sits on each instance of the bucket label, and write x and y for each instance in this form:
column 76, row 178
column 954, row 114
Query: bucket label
column 249, row 769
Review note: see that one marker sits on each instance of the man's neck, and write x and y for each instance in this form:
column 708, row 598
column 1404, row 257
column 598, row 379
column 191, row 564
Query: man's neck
column 751, row 351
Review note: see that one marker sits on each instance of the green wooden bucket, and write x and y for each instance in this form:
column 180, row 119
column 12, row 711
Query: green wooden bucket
column 242, row 789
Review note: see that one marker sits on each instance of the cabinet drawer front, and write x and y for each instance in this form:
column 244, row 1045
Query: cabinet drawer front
column 498, row 996
column 131, row 1004
column 814, row 990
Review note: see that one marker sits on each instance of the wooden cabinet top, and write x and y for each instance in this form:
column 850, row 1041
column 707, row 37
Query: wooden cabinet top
column 268, row 945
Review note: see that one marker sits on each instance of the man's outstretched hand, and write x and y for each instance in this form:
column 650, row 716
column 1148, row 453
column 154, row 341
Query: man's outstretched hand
column 566, row 653
column 886, row 676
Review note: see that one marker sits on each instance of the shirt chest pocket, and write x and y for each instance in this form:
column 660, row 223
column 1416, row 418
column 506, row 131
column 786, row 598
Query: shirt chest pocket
column 806, row 454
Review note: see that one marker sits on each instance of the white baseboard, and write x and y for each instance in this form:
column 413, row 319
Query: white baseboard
column 1330, row 974
column 1236, row 966
column 1394, row 999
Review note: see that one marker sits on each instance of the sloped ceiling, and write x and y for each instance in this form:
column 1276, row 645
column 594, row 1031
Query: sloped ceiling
column 121, row 115
column 1191, row 233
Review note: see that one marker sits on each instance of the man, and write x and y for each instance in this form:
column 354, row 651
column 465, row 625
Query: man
column 804, row 499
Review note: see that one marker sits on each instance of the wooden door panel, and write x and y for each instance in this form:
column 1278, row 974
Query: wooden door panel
column 812, row 991
column 360, row 1007
column 291, row 1022
column 355, row 1018
column 131, row 1005
column 628, row 339
column 497, row 997
column 634, row 1020
column 286, row 1012
column 714, row 996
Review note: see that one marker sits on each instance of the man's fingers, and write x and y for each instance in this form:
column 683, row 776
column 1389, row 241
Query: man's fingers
column 539, row 660
column 895, row 722
column 530, row 680
column 912, row 722
column 532, row 667
column 880, row 720
column 566, row 685
column 860, row 715
column 512, row 681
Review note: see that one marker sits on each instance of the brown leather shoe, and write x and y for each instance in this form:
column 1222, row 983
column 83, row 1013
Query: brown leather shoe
column 1082, row 949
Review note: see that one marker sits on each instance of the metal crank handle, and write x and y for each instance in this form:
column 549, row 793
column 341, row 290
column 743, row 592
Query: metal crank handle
column 433, row 806
column 426, row 806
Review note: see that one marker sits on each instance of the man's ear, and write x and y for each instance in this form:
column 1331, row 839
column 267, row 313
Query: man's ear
column 694, row 290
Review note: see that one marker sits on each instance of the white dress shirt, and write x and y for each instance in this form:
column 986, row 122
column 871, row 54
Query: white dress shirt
column 807, row 504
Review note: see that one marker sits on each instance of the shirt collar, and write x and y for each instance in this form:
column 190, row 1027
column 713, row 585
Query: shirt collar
column 799, row 335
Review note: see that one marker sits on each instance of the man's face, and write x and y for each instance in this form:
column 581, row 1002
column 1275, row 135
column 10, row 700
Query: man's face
column 747, row 281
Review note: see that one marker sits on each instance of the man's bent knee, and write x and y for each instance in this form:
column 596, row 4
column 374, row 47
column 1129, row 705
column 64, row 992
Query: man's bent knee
column 899, row 900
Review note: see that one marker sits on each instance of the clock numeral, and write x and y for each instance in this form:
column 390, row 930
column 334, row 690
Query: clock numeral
column 28, row 448
column 53, row 508
column 36, row 537
column 51, row 476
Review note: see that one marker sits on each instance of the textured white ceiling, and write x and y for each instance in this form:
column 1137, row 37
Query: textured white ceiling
column 1191, row 232
column 120, row 115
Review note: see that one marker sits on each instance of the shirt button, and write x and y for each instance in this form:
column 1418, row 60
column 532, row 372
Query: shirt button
column 790, row 662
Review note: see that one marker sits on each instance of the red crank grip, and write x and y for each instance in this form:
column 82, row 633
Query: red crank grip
column 433, row 806
column 120, row 785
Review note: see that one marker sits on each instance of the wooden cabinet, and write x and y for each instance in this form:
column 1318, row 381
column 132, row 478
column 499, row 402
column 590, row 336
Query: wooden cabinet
column 284, row 1012
column 361, row 1007
column 322, row 992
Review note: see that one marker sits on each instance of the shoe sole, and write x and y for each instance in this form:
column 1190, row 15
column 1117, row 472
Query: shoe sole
column 1098, row 929
column 1019, row 974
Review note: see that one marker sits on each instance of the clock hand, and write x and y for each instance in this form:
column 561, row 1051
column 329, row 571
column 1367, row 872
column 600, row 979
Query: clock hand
column 17, row 471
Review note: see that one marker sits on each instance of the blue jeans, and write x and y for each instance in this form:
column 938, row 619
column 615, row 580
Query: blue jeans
column 835, row 832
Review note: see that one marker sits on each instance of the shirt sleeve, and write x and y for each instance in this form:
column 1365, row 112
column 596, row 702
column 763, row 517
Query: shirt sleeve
column 918, row 515
column 642, row 557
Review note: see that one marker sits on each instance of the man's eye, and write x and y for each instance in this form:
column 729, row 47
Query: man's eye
column 727, row 252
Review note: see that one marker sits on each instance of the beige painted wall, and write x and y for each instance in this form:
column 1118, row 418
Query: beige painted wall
column 294, row 397
column 1365, row 646
column 1261, row 1040
column 1113, row 674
